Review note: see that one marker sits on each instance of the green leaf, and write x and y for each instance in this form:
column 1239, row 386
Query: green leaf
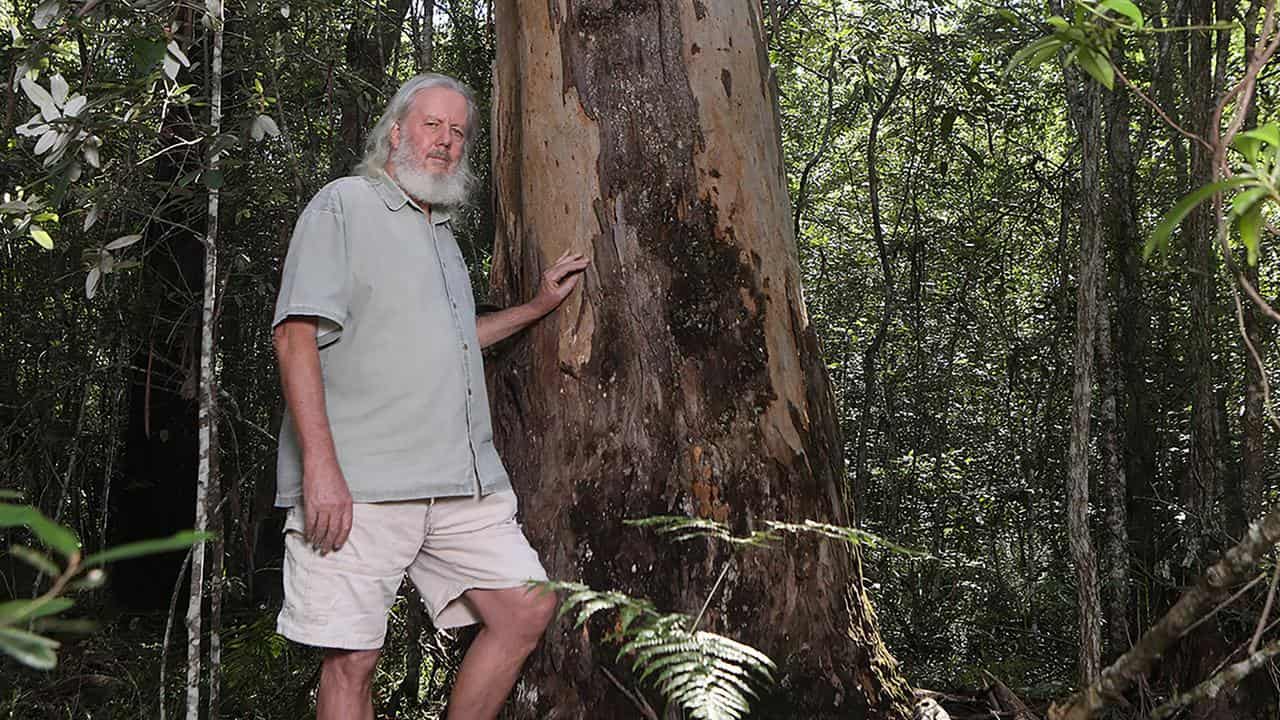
column 1159, row 239
column 179, row 541
column 1098, row 66
column 1125, row 8
column 55, row 536
column 1269, row 133
column 50, row 533
column 1044, row 54
column 41, row 237
column 1248, row 146
column 1245, row 200
column 35, row 559
column 147, row 53
column 213, row 179
column 28, row 648
column 1250, row 229
column 18, row 610
column 1034, row 54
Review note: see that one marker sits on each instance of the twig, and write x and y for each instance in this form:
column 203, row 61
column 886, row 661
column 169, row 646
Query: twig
column 1122, row 675
column 1216, row 684
column 636, row 699
column 175, row 146
column 698, row 620
column 1159, row 110
column 168, row 624
column 1221, row 605
column 1266, row 611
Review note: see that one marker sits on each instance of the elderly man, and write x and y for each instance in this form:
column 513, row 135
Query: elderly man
column 387, row 462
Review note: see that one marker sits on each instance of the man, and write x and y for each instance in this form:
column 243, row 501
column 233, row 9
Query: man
column 387, row 462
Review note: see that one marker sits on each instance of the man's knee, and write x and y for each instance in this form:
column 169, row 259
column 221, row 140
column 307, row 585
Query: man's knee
column 530, row 613
column 350, row 668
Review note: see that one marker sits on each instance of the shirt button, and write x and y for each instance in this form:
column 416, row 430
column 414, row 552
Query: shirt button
column 464, row 346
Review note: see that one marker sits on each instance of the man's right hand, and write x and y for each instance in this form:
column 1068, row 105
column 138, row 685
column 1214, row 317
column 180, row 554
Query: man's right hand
column 326, row 501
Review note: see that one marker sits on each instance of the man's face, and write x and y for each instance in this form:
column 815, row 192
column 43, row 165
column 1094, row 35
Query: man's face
column 435, row 128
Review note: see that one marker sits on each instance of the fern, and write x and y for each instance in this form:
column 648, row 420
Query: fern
column 711, row 676
column 682, row 528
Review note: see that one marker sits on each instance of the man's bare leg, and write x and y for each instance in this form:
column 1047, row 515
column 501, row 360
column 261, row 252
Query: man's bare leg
column 514, row 619
column 346, row 685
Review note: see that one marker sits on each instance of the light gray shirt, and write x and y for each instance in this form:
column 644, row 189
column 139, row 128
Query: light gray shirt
column 403, row 376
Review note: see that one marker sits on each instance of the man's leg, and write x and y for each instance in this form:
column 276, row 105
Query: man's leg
column 514, row 619
column 346, row 685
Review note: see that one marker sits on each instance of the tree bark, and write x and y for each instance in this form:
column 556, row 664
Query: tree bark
column 1084, row 102
column 424, row 38
column 1257, row 329
column 1119, row 369
column 206, row 478
column 1115, row 495
column 684, row 377
column 1202, row 483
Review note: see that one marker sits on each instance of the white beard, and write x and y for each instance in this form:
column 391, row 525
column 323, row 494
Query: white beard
column 447, row 189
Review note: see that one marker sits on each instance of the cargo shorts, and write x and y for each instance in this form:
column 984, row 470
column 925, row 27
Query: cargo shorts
column 446, row 545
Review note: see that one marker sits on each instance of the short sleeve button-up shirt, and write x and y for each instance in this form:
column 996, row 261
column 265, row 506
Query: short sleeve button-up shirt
column 399, row 354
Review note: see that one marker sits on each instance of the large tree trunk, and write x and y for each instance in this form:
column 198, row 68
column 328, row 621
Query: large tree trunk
column 684, row 377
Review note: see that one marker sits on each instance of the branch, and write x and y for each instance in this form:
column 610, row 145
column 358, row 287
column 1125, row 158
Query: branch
column 1216, row 684
column 1122, row 675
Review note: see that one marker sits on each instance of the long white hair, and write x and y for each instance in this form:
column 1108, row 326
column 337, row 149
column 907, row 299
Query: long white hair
column 377, row 146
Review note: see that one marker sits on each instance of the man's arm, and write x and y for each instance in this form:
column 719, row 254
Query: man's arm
column 326, row 500
column 557, row 283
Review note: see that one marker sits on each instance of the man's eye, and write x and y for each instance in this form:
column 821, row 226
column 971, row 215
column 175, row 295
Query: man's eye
column 432, row 123
column 457, row 132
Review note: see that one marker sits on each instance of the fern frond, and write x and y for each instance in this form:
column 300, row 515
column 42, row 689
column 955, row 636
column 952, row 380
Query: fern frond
column 711, row 676
column 679, row 527
column 853, row 536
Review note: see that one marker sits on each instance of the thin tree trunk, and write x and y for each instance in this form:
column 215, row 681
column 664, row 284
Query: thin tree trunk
column 1115, row 495
column 1121, row 225
column 1257, row 329
column 370, row 46
column 1202, row 484
column 206, row 479
column 1085, row 114
column 872, row 353
column 684, row 377
column 424, row 37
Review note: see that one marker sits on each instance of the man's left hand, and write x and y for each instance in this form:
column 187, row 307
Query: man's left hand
column 558, row 281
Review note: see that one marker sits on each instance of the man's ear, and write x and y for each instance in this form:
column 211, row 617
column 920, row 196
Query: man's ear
column 394, row 136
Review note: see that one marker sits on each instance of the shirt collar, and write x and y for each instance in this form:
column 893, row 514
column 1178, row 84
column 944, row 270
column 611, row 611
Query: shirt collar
column 395, row 198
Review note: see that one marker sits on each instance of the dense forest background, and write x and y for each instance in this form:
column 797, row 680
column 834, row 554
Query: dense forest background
column 941, row 200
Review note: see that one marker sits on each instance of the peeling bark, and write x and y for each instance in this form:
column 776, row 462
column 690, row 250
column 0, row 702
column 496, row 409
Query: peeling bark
column 684, row 377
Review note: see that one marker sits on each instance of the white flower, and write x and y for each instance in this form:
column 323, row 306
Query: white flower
column 55, row 123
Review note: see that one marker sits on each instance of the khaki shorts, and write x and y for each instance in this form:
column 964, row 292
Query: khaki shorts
column 446, row 545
